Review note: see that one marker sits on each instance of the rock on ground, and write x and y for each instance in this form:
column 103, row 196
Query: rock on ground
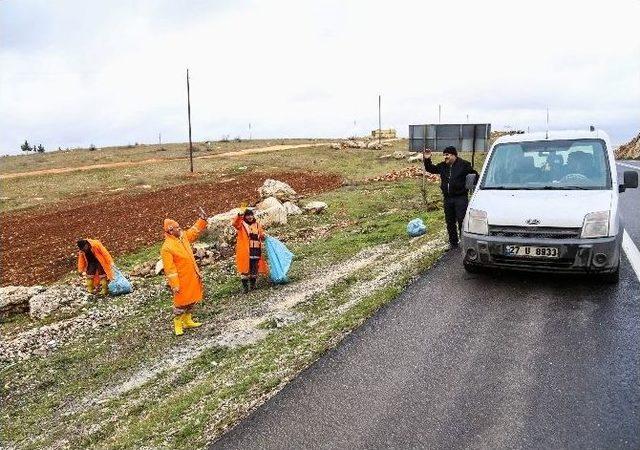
column 315, row 207
column 269, row 202
column 15, row 299
column 399, row 155
column 292, row 208
column 278, row 189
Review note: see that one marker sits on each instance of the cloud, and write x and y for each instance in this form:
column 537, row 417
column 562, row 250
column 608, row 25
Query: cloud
column 113, row 72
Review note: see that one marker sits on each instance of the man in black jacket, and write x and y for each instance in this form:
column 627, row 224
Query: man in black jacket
column 453, row 172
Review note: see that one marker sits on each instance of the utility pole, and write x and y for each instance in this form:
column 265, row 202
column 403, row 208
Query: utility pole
column 189, row 116
column 439, row 113
column 547, row 136
column 159, row 138
column 249, row 130
column 379, row 119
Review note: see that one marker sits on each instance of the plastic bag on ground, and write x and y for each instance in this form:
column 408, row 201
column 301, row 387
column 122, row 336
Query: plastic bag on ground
column 416, row 228
column 119, row 285
column 279, row 258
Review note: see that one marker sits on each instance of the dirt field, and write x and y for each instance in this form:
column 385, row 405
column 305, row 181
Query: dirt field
column 243, row 152
column 39, row 247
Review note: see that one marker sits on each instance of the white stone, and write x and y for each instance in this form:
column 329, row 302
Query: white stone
column 15, row 299
column 276, row 215
column 399, row 155
column 315, row 207
column 269, row 202
column 278, row 189
column 159, row 267
column 415, row 158
column 292, row 208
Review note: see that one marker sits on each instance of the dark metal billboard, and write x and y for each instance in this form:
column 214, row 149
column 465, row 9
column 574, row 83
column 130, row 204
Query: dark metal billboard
column 465, row 137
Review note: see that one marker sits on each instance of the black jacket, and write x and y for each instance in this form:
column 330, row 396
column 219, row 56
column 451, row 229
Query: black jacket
column 452, row 178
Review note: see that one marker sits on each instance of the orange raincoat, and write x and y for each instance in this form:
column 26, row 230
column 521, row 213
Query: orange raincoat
column 180, row 266
column 242, row 247
column 101, row 254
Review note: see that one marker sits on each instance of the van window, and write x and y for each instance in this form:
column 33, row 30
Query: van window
column 561, row 164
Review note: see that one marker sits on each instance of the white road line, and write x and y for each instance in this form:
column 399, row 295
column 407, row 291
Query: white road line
column 629, row 165
column 633, row 254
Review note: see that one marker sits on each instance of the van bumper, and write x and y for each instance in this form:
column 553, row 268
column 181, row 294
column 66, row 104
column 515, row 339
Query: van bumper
column 600, row 255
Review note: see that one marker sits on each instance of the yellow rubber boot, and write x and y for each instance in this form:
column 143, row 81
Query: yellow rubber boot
column 104, row 286
column 188, row 321
column 89, row 284
column 177, row 325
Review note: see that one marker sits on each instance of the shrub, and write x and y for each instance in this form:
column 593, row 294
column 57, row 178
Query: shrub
column 92, row 147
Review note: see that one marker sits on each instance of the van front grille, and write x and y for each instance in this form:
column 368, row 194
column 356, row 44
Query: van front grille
column 535, row 232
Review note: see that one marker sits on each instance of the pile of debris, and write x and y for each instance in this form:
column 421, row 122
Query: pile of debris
column 409, row 172
column 360, row 143
column 399, row 154
column 384, row 134
column 630, row 150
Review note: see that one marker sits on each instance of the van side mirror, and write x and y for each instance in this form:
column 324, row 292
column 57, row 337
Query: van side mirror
column 471, row 180
column 630, row 180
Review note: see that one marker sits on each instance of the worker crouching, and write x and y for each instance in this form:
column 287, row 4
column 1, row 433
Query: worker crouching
column 182, row 272
column 250, row 260
column 96, row 264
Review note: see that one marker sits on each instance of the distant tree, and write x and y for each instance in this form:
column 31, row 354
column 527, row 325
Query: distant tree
column 40, row 148
column 92, row 147
column 25, row 147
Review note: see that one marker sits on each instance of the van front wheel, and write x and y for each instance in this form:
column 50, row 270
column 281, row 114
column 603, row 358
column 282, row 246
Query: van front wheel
column 470, row 268
column 611, row 277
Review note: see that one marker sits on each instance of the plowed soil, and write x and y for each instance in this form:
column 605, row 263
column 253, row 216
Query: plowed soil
column 40, row 247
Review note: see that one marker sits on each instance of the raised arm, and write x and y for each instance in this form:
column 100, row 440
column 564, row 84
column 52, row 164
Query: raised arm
column 197, row 228
column 428, row 164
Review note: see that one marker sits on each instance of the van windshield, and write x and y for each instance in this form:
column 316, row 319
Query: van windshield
column 560, row 164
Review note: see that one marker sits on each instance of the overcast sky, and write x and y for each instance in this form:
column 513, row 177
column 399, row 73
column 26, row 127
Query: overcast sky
column 77, row 72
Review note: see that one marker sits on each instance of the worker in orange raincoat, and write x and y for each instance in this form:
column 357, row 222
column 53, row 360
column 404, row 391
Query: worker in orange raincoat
column 95, row 263
column 181, row 270
column 250, row 257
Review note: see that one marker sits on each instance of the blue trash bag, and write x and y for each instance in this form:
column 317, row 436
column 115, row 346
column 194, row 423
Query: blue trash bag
column 119, row 285
column 279, row 258
column 416, row 228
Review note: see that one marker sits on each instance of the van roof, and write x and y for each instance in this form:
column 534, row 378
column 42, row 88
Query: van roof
column 557, row 134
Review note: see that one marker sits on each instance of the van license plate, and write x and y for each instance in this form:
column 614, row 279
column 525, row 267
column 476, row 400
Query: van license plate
column 531, row 252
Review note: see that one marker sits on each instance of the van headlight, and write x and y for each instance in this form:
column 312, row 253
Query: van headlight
column 596, row 224
column 477, row 222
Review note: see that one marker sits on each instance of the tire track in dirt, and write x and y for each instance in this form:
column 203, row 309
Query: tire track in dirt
column 40, row 247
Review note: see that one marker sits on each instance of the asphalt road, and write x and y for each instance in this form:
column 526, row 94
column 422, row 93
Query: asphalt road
column 482, row 361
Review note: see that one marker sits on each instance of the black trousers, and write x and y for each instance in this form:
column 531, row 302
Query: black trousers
column 454, row 211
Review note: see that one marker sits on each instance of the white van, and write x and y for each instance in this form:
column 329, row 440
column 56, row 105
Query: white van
column 547, row 202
